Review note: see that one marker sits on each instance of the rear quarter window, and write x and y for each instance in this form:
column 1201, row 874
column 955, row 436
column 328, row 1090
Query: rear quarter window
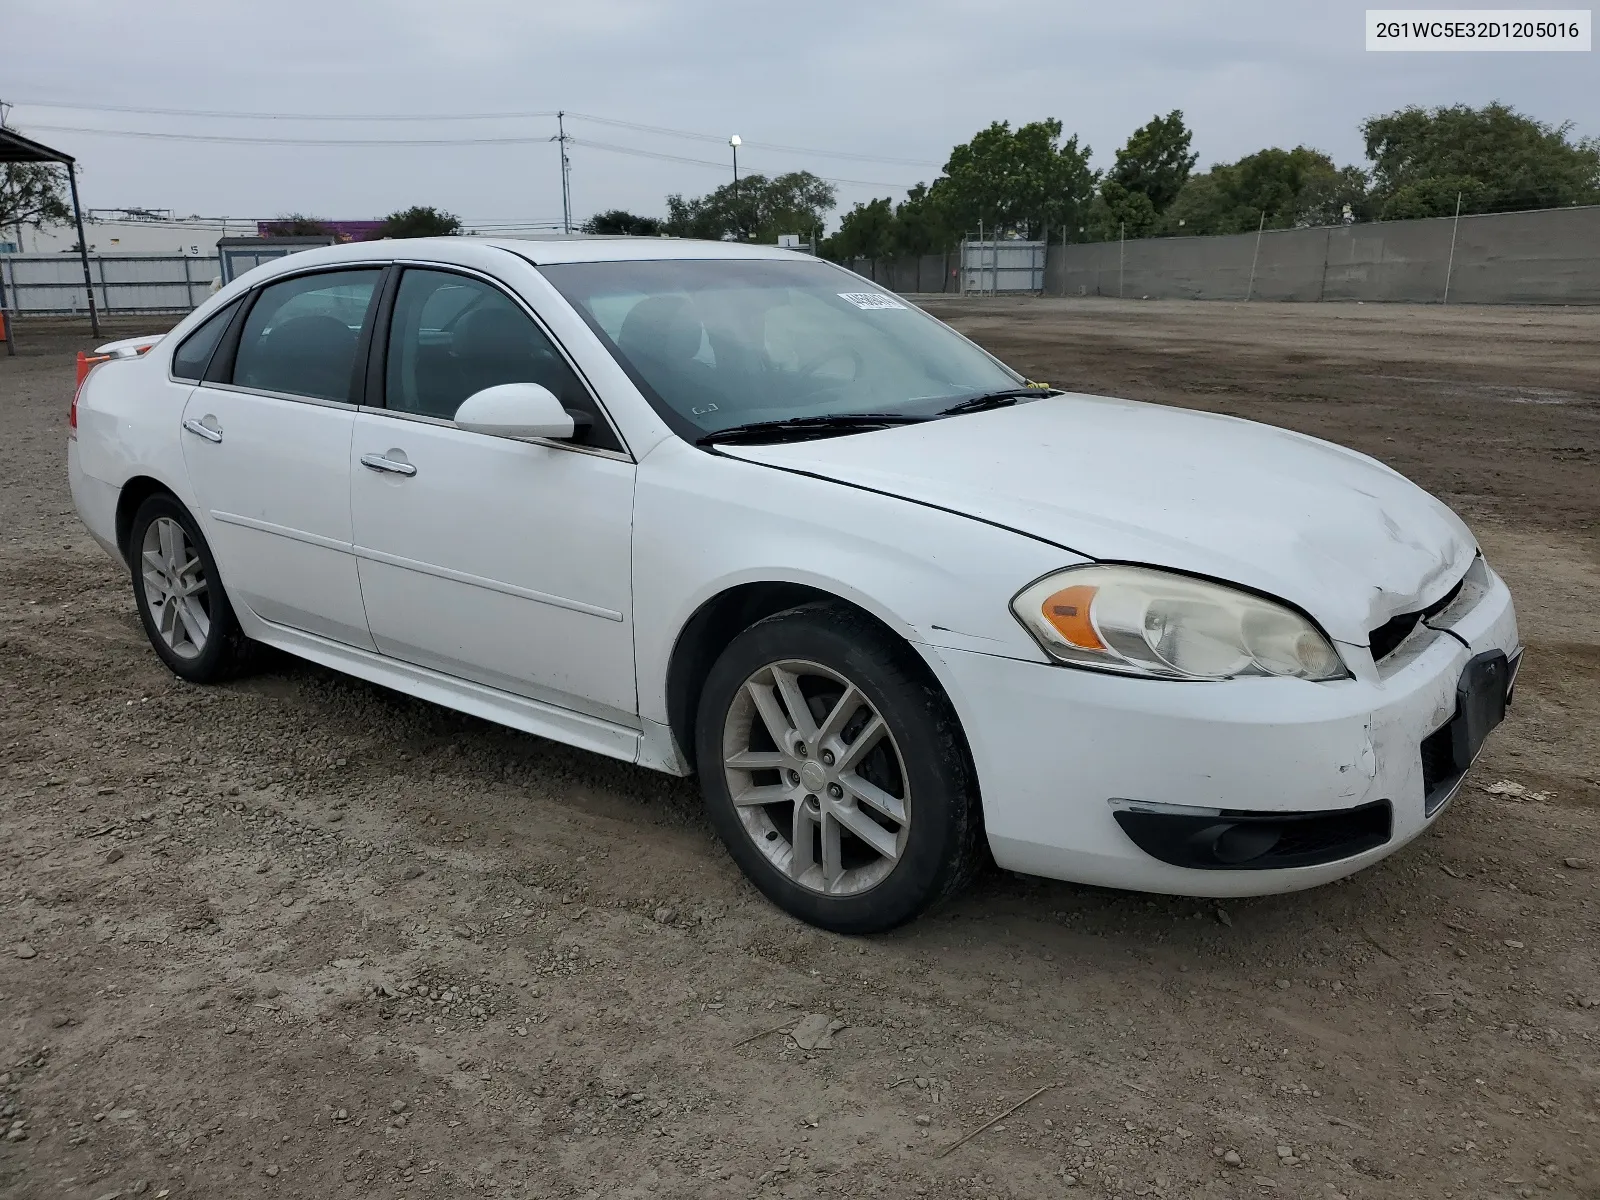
column 194, row 353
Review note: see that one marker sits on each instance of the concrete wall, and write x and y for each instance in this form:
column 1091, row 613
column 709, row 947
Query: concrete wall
column 1548, row 257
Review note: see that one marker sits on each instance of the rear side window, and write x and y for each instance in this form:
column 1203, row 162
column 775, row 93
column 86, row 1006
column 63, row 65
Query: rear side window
column 194, row 352
column 301, row 335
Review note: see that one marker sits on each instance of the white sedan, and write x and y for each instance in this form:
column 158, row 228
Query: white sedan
column 732, row 510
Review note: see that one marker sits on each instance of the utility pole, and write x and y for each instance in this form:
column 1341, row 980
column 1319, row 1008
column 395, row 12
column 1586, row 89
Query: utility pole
column 566, row 173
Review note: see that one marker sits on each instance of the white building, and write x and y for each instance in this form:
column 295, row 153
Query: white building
column 113, row 232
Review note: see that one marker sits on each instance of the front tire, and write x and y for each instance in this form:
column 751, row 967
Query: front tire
column 835, row 771
column 184, row 610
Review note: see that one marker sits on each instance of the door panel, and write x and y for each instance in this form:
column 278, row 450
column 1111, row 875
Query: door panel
column 500, row 561
column 267, row 442
column 275, row 495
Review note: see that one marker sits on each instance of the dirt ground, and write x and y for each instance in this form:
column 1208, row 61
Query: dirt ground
column 303, row 937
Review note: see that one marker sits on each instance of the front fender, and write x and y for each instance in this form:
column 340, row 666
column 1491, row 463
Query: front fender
column 704, row 524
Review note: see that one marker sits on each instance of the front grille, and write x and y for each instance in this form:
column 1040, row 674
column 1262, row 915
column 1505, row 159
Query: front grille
column 1386, row 638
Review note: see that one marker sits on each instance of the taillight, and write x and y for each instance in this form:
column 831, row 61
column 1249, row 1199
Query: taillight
column 86, row 363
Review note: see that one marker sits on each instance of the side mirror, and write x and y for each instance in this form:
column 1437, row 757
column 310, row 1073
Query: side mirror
column 516, row 410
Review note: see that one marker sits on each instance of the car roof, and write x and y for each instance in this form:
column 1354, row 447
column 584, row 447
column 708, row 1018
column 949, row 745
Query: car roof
column 544, row 250
column 615, row 249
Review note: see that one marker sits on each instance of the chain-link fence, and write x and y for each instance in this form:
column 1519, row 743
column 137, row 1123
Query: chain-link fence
column 1550, row 256
column 1546, row 257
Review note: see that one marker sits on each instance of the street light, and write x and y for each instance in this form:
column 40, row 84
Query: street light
column 735, row 142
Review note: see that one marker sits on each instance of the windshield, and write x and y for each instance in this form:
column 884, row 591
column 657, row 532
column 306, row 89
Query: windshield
column 718, row 343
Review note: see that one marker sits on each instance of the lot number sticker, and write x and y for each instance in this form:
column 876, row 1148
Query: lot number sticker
column 870, row 300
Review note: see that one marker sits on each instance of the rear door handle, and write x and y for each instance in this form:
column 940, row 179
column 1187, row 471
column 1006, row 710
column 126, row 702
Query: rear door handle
column 201, row 429
column 377, row 462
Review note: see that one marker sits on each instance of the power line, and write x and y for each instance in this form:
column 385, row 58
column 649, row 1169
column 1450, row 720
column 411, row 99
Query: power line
column 509, row 140
column 265, row 116
column 718, row 138
column 251, row 140
column 659, row 130
column 704, row 162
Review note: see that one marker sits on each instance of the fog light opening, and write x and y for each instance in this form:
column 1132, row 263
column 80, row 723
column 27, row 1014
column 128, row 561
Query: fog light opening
column 1233, row 840
column 1233, row 844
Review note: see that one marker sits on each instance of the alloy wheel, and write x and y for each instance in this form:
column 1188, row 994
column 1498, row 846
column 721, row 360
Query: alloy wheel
column 175, row 588
column 816, row 778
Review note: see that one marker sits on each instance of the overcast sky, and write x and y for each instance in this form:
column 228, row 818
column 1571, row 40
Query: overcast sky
column 888, row 79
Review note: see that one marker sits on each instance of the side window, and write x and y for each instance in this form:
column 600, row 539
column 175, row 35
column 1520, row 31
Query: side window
column 452, row 335
column 190, row 359
column 300, row 336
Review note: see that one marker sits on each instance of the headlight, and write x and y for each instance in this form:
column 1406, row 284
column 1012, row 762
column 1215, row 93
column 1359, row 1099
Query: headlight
column 1145, row 622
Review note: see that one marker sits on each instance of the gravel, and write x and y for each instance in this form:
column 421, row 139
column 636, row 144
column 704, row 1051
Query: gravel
column 534, row 873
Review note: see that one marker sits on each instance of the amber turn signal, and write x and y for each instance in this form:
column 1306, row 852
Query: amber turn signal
column 1068, row 613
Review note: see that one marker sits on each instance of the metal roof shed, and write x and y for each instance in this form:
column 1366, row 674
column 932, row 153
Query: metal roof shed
column 14, row 148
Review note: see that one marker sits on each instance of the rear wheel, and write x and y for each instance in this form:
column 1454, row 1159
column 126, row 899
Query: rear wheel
column 185, row 612
column 835, row 771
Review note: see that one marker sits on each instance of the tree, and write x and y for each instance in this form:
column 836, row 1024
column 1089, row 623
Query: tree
column 32, row 194
column 1496, row 158
column 917, row 225
column 754, row 209
column 616, row 220
column 1292, row 188
column 1022, row 179
column 297, row 225
column 1156, row 160
column 418, row 221
column 867, row 231
column 921, row 225
column 1324, row 197
column 1119, row 212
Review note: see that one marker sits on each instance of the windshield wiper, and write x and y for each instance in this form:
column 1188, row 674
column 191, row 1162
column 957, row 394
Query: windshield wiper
column 820, row 426
column 999, row 399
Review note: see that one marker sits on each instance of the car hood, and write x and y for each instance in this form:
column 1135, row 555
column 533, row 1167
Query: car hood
column 1332, row 531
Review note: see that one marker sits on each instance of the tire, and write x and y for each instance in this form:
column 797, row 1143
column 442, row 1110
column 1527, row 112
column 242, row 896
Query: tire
column 883, row 746
column 195, row 631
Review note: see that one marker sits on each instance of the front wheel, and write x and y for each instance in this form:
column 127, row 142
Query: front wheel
column 185, row 612
column 835, row 771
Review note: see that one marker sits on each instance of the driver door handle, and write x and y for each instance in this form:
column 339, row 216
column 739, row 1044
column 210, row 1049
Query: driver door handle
column 201, row 429
column 378, row 462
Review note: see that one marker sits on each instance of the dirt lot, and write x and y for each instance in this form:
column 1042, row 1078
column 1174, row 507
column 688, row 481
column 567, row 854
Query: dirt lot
column 300, row 936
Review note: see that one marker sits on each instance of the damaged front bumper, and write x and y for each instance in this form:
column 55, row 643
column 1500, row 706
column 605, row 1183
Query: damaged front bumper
column 1344, row 768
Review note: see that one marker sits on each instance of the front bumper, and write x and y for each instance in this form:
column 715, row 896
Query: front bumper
column 1060, row 751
